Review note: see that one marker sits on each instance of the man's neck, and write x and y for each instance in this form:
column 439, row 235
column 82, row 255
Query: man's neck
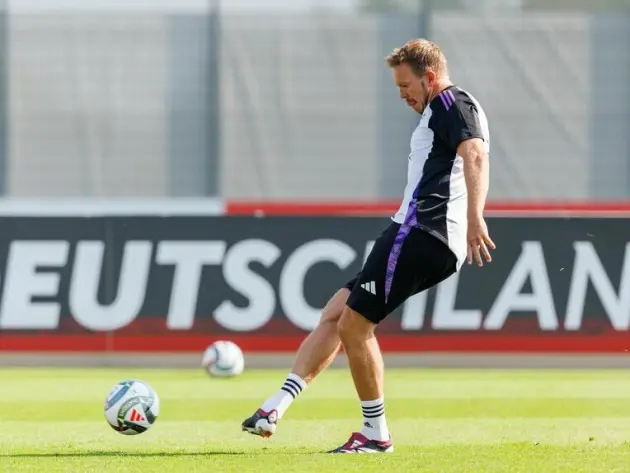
column 439, row 88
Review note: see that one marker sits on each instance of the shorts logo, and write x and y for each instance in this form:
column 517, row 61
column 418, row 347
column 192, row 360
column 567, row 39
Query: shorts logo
column 369, row 287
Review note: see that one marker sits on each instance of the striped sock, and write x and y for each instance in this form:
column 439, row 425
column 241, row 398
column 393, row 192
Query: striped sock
column 289, row 391
column 374, row 423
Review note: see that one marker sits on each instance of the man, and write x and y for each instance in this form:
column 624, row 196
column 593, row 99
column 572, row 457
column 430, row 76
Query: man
column 439, row 225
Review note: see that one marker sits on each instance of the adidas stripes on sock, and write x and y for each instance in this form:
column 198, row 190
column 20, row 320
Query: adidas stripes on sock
column 374, row 423
column 289, row 391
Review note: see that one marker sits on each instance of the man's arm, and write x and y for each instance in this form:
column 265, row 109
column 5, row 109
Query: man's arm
column 477, row 176
column 460, row 128
column 476, row 173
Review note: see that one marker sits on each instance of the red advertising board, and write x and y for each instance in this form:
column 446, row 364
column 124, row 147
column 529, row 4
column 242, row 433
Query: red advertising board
column 259, row 275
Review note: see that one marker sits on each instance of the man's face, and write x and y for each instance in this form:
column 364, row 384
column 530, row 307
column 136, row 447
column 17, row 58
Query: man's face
column 413, row 89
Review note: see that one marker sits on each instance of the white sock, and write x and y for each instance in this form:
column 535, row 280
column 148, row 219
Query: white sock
column 374, row 423
column 290, row 390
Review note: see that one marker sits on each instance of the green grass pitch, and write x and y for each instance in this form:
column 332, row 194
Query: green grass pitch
column 51, row 420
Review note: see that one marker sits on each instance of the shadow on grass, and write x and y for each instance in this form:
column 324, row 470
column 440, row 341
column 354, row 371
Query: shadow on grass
column 114, row 453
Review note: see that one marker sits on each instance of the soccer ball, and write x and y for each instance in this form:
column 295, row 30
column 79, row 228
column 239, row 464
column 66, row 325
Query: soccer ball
column 131, row 407
column 223, row 359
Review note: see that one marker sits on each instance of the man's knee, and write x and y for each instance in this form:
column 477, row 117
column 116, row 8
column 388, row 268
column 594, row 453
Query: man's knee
column 353, row 326
column 334, row 308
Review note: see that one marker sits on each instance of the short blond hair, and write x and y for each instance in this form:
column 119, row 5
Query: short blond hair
column 421, row 55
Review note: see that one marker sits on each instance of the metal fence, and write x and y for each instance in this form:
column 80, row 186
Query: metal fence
column 174, row 98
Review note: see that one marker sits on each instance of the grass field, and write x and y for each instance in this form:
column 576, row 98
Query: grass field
column 441, row 420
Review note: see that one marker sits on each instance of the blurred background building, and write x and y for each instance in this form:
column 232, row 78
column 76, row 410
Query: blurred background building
column 291, row 99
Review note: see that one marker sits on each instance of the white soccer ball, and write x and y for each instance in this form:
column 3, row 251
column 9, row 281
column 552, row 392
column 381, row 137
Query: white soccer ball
column 223, row 359
column 131, row 407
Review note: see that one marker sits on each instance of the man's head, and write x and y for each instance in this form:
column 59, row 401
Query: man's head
column 420, row 71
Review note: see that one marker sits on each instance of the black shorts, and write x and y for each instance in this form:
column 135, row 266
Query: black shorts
column 404, row 261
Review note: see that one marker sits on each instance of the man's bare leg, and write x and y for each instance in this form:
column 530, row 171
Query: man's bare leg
column 315, row 354
column 320, row 347
column 366, row 364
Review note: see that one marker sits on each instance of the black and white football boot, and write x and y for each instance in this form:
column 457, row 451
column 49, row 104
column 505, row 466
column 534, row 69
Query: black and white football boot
column 261, row 423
